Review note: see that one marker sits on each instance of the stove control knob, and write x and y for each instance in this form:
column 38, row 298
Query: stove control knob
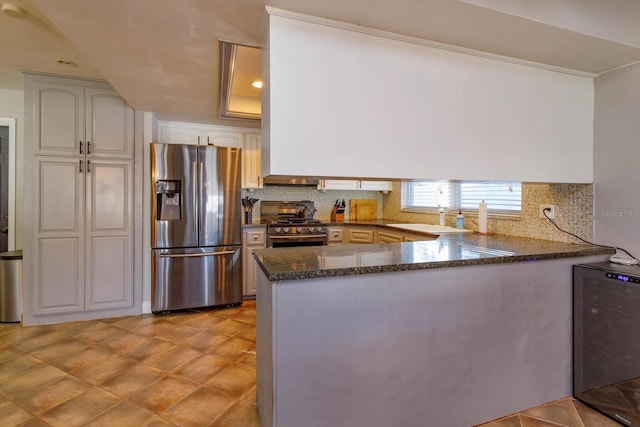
column 312, row 229
column 298, row 230
column 286, row 229
column 278, row 229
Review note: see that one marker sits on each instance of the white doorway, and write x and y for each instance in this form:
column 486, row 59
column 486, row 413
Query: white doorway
column 7, row 184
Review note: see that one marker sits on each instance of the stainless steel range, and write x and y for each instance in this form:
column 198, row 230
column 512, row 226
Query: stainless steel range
column 291, row 223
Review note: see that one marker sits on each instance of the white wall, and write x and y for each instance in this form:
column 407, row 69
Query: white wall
column 616, row 159
column 12, row 106
column 348, row 104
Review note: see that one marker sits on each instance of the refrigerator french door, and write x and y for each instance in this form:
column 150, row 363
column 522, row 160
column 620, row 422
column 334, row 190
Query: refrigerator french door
column 196, row 226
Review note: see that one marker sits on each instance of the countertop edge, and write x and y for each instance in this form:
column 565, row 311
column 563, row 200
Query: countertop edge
column 390, row 268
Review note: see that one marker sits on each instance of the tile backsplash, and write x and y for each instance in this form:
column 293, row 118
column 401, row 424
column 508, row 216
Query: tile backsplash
column 573, row 212
column 573, row 209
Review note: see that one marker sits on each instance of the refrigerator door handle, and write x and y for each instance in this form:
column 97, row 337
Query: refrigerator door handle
column 194, row 199
column 201, row 196
column 197, row 255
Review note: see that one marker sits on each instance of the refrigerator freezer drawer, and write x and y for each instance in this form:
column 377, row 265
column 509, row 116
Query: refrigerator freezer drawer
column 196, row 277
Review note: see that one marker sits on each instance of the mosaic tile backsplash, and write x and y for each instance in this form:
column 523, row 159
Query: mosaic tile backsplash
column 573, row 212
column 573, row 209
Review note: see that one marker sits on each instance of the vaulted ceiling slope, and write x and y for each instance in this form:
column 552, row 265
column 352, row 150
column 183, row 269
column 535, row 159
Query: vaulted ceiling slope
column 162, row 55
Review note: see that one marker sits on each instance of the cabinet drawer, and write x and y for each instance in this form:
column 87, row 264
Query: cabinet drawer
column 254, row 237
column 335, row 235
column 355, row 235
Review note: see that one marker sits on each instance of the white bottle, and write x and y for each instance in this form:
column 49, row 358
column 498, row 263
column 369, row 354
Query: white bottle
column 442, row 216
column 482, row 218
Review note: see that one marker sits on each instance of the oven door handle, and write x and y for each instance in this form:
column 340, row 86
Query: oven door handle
column 295, row 237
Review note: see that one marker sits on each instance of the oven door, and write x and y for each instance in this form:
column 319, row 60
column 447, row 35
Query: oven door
column 292, row 241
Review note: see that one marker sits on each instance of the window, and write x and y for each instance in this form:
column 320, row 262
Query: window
column 501, row 197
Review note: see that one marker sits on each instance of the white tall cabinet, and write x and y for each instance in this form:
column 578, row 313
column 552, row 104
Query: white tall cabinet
column 79, row 225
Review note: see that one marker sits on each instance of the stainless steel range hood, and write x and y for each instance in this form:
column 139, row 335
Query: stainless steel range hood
column 291, row 181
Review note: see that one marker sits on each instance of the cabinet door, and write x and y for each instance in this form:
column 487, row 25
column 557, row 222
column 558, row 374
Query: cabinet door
column 173, row 133
column 335, row 235
column 59, row 236
column 251, row 161
column 389, row 237
column 339, row 184
column 222, row 138
column 376, row 185
column 360, row 235
column 59, row 119
column 109, row 244
column 109, row 124
column 252, row 239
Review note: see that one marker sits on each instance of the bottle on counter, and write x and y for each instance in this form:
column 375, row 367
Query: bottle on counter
column 443, row 219
column 482, row 218
column 460, row 219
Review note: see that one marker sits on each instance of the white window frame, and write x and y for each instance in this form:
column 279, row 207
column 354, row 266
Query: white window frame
column 451, row 193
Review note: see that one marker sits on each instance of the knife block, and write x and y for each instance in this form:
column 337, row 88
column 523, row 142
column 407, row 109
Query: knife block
column 337, row 216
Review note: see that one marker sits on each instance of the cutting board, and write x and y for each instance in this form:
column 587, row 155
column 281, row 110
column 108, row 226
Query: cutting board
column 363, row 209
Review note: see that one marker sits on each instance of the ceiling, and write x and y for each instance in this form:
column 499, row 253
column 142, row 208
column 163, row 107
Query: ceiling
column 162, row 55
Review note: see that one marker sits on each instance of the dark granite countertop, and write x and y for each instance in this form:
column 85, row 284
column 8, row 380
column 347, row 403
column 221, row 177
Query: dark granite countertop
column 281, row 264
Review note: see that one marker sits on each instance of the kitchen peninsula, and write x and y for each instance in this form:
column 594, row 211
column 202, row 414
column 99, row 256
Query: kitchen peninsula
column 448, row 332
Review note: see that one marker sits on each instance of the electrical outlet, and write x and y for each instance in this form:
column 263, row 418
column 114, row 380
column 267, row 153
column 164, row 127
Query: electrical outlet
column 550, row 213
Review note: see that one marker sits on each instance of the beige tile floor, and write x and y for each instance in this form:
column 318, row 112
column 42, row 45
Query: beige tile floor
column 188, row 369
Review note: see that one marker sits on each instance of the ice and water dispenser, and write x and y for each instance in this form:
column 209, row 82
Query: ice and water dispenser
column 168, row 199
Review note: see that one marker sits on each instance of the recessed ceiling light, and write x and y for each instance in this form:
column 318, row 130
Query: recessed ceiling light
column 66, row 62
column 257, row 84
column 13, row 10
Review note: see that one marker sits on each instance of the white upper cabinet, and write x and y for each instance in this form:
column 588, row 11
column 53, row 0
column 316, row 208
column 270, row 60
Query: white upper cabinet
column 351, row 184
column 179, row 133
column 79, row 121
column 339, row 184
column 383, row 186
column 222, row 138
column 198, row 134
column 251, row 161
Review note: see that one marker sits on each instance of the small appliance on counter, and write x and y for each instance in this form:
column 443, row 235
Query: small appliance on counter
column 606, row 344
column 196, row 235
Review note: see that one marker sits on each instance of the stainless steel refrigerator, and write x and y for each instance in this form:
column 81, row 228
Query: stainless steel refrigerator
column 195, row 226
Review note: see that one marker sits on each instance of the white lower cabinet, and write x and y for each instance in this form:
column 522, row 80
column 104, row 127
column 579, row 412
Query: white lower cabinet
column 83, row 243
column 252, row 238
